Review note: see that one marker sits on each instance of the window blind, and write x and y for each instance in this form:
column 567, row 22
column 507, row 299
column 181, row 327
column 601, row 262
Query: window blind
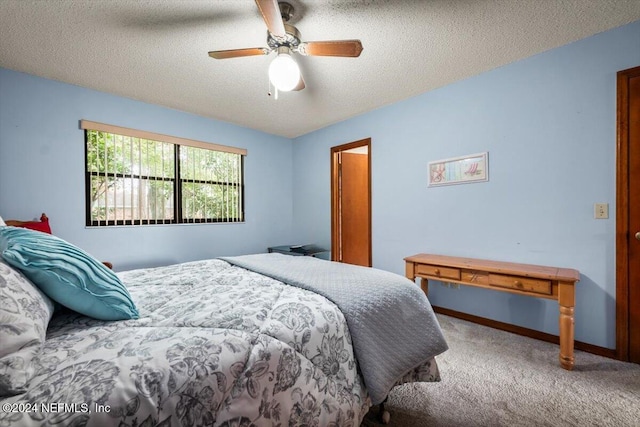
column 137, row 177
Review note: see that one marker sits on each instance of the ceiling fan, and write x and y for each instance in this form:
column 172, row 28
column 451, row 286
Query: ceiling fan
column 284, row 39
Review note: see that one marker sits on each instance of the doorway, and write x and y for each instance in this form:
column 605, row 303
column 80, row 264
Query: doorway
column 628, row 216
column 351, row 203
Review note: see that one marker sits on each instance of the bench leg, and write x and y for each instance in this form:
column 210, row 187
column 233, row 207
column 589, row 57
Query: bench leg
column 566, row 300
column 384, row 415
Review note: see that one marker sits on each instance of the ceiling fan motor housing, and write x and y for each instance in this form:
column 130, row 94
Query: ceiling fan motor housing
column 290, row 40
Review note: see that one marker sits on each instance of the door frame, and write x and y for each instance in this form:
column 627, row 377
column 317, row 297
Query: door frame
column 335, row 226
column 623, row 233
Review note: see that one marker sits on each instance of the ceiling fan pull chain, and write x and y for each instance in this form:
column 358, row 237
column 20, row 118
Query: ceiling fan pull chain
column 275, row 88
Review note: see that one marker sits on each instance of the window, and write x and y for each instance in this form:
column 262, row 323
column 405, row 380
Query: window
column 135, row 177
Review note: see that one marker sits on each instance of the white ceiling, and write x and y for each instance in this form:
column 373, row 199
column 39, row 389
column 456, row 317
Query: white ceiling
column 156, row 50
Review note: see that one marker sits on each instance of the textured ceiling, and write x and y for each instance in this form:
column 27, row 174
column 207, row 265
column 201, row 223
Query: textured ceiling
column 156, row 50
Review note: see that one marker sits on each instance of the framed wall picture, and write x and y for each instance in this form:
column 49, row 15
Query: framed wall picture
column 459, row 170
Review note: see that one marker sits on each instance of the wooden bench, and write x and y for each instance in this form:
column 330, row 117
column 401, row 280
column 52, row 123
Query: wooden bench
column 523, row 279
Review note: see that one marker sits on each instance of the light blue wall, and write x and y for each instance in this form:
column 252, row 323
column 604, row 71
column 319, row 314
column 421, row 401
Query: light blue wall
column 42, row 170
column 548, row 123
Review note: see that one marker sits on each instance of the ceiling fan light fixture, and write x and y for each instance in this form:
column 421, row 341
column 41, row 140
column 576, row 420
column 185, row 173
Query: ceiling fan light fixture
column 284, row 72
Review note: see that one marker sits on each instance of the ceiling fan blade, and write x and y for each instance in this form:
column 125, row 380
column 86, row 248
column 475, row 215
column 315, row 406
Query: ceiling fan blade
column 349, row 48
column 236, row 53
column 300, row 85
column 271, row 14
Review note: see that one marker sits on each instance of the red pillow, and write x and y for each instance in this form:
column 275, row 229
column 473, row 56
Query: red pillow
column 42, row 225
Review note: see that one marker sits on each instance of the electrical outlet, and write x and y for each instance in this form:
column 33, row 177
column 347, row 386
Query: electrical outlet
column 601, row 210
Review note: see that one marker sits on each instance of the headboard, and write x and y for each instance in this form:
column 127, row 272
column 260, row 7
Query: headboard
column 42, row 225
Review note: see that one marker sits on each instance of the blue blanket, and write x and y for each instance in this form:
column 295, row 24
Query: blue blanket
column 392, row 324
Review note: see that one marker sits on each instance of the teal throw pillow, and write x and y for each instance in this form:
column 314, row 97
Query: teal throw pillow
column 67, row 274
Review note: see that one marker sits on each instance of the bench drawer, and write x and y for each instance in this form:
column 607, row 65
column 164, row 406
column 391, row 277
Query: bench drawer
column 539, row 286
column 438, row 271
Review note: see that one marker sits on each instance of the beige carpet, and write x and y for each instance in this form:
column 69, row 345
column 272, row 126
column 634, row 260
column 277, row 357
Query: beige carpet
column 494, row 378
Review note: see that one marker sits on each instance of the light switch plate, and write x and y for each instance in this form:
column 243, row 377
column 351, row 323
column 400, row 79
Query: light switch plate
column 601, row 210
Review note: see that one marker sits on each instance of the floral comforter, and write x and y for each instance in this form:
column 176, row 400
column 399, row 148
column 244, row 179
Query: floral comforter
column 214, row 345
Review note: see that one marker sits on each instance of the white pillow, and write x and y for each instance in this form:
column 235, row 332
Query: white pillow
column 2, row 224
column 24, row 316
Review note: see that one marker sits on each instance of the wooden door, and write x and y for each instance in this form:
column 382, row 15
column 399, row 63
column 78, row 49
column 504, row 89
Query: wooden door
column 354, row 212
column 628, row 217
column 351, row 203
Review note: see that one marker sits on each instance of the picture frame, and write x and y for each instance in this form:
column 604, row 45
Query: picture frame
column 459, row 170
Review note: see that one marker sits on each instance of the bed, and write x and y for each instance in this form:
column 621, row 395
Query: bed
column 264, row 339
